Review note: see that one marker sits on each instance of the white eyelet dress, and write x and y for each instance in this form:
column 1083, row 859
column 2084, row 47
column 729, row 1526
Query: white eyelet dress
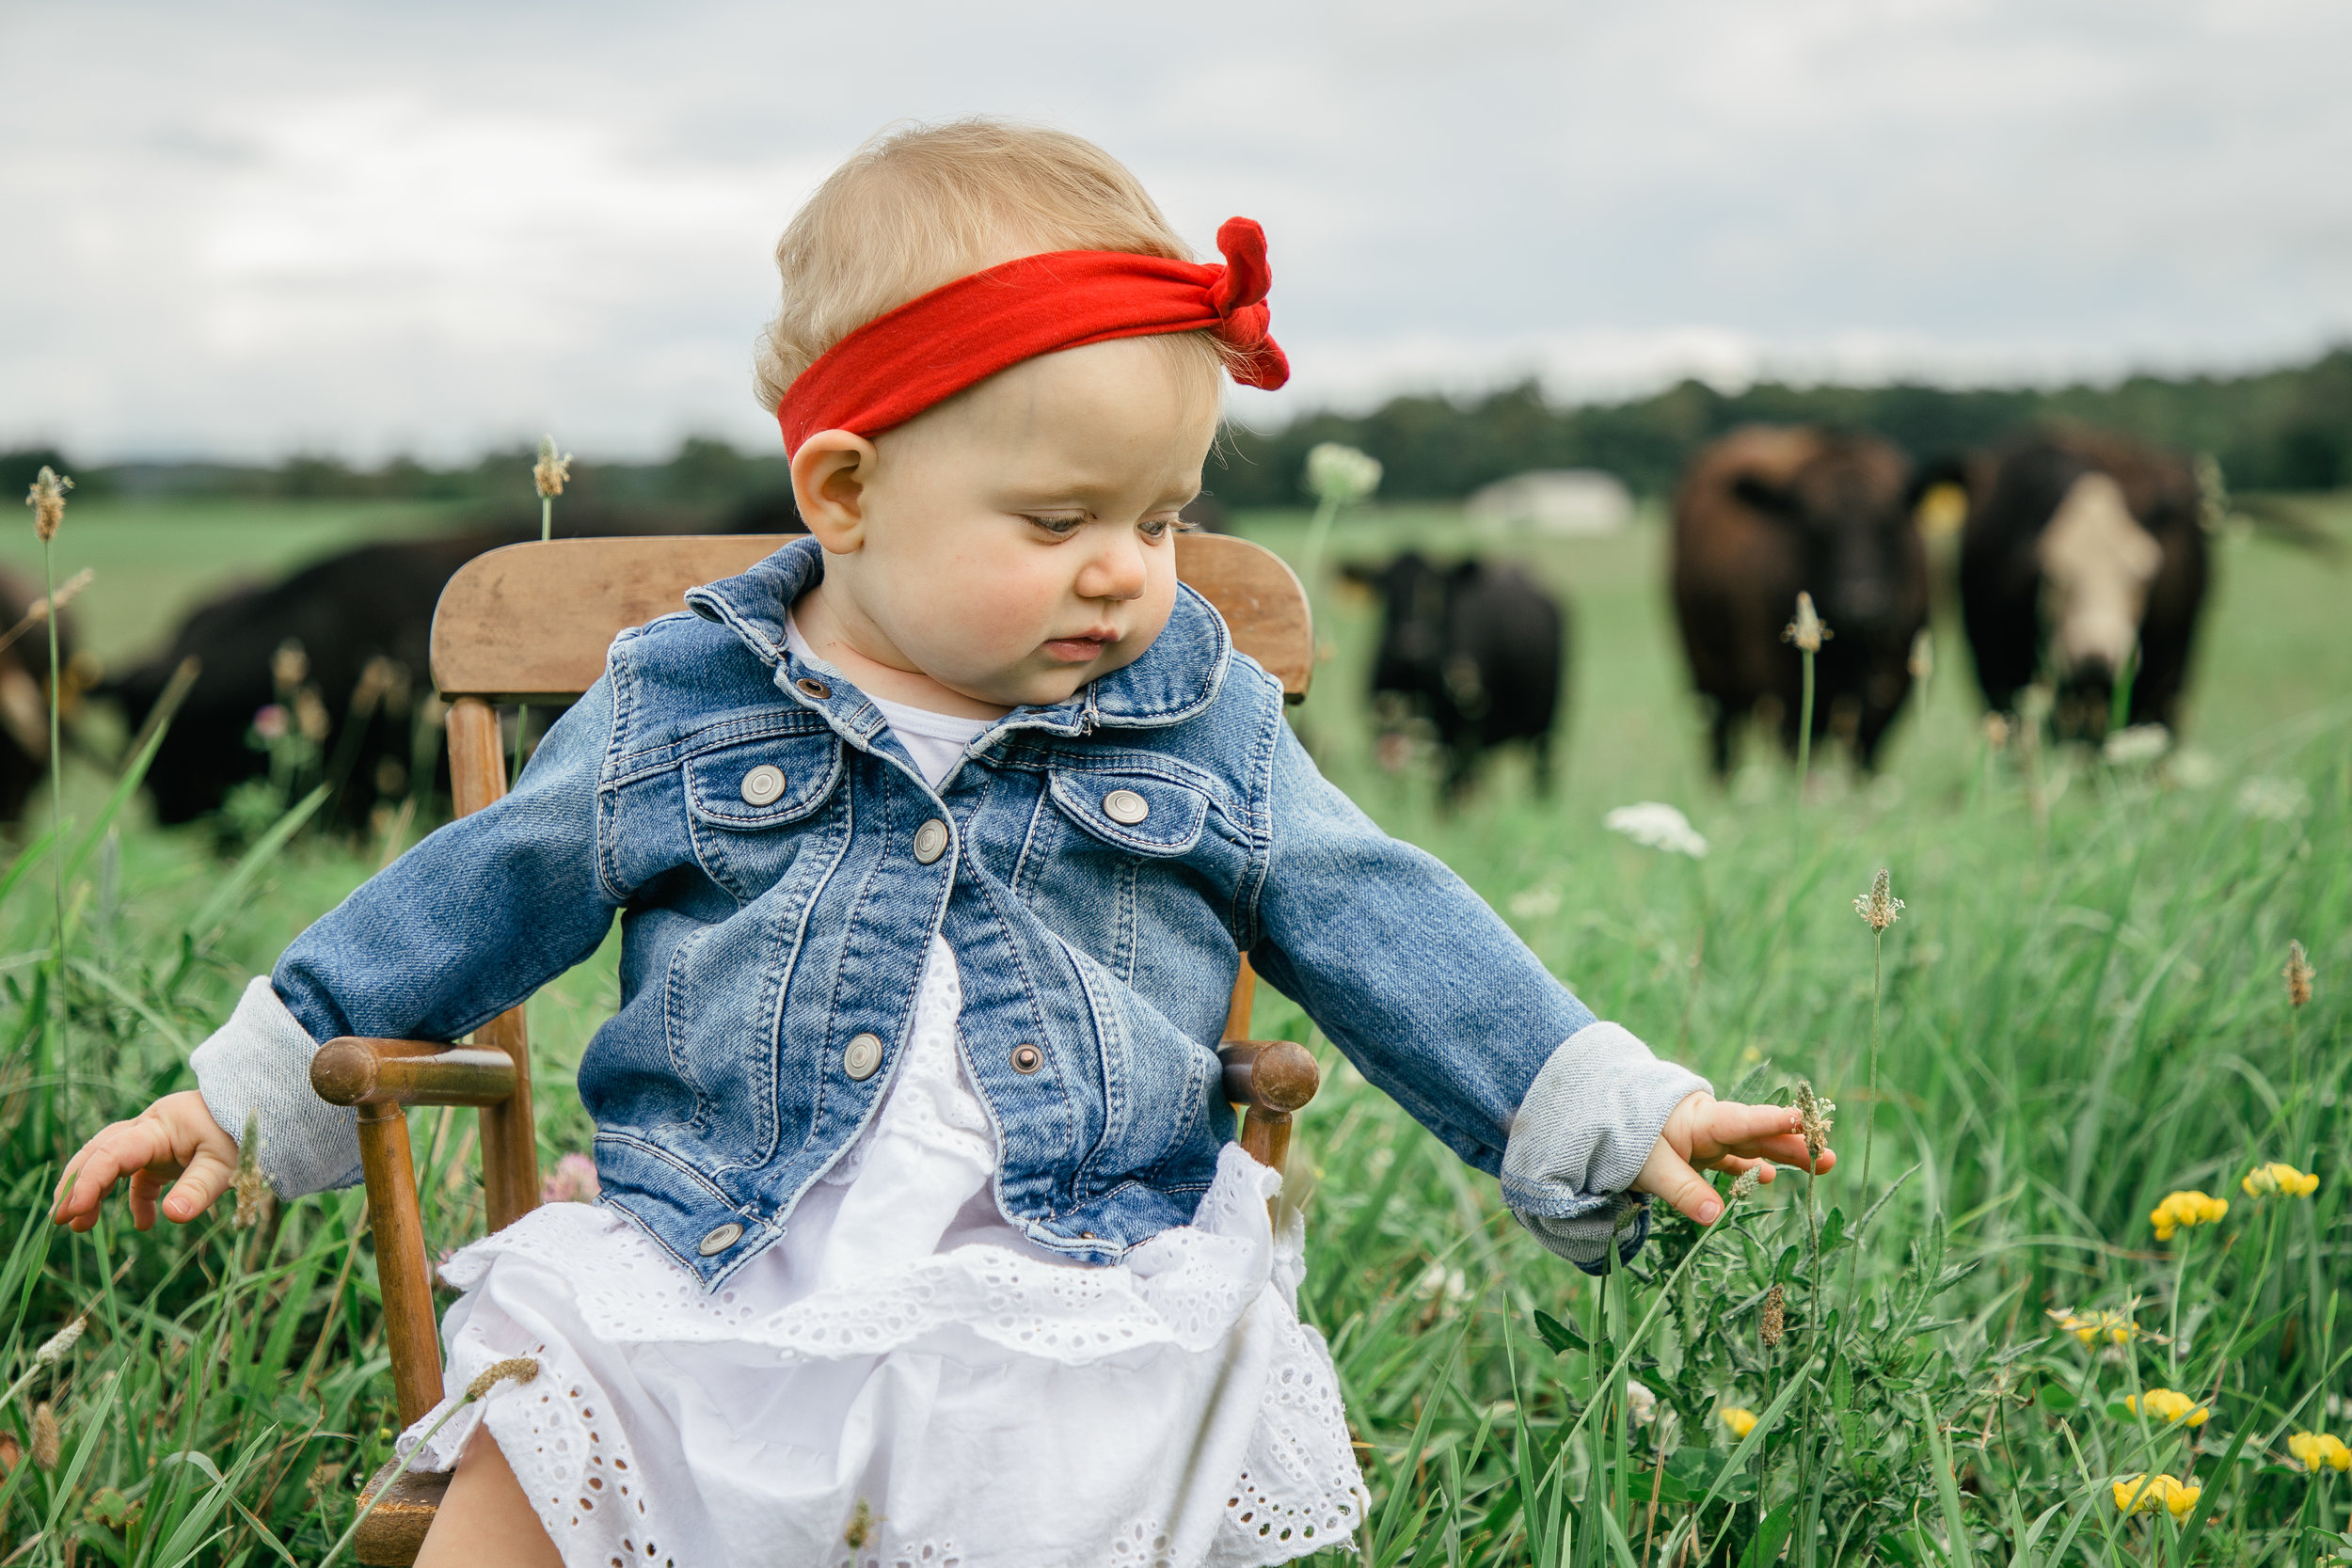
column 903, row 1379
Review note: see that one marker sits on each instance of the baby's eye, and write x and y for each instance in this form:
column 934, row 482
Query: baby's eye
column 1160, row 527
column 1059, row 526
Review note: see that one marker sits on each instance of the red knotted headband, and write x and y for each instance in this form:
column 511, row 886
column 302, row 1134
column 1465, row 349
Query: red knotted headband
column 962, row 333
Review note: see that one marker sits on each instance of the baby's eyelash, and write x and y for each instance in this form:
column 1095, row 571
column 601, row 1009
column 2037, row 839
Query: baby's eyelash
column 1055, row 525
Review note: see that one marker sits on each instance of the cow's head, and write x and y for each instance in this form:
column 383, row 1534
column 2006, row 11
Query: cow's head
column 2096, row 563
column 1845, row 510
column 1412, row 593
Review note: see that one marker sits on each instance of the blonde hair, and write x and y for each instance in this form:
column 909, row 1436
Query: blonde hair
column 921, row 206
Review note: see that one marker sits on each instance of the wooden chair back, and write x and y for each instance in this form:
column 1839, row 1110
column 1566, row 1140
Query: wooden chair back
column 530, row 623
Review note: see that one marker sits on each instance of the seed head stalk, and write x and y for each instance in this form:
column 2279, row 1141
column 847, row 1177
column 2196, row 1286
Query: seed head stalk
column 1808, row 632
column 548, row 476
column 47, row 499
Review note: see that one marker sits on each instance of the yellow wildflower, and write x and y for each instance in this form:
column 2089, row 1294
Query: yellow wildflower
column 2168, row 1407
column 1739, row 1420
column 2279, row 1179
column 2183, row 1208
column 2313, row 1450
column 2116, row 1327
column 2141, row 1494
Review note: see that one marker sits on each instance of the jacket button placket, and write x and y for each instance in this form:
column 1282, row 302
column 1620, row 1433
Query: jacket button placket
column 931, row 841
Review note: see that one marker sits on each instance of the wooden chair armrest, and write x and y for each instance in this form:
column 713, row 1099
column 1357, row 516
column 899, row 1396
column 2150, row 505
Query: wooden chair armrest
column 353, row 1070
column 1270, row 1077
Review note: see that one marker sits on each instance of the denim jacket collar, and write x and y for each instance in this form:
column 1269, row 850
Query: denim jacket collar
column 1176, row 679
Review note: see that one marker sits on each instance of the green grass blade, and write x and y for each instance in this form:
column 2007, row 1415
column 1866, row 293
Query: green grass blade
column 215, row 915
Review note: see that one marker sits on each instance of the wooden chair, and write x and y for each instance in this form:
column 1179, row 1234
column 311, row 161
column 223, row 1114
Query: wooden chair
column 529, row 623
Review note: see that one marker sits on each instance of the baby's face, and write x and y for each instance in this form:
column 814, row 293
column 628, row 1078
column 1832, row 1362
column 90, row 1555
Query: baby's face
column 1018, row 541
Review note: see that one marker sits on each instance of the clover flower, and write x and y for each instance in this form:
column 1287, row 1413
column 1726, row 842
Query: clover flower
column 1808, row 631
column 1655, row 825
column 1743, row 1186
column 2115, row 1327
column 2138, row 1493
column 1738, row 1418
column 552, row 469
column 2183, row 1208
column 573, row 1180
column 47, row 499
column 2169, row 1407
column 1341, row 474
column 2313, row 1450
column 2279, row 1179
column 1879, row 907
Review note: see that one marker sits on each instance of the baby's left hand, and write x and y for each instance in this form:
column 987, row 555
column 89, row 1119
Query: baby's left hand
column 1707, row 1134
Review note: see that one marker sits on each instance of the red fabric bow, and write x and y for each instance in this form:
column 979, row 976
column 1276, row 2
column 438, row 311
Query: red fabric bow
column 962, row 333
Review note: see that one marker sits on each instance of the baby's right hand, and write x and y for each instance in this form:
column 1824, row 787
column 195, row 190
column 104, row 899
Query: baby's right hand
column 174, row 1138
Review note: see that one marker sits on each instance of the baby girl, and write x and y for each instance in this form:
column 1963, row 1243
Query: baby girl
column 937, row 840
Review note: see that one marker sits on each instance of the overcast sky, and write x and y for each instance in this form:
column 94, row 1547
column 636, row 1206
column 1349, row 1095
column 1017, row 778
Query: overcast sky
column 246, row 230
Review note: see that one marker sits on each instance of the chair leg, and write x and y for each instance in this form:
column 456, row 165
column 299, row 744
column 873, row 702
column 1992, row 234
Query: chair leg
column 400, row 1266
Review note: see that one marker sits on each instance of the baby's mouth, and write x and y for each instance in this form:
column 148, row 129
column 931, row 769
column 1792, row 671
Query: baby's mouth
column 1082, row 649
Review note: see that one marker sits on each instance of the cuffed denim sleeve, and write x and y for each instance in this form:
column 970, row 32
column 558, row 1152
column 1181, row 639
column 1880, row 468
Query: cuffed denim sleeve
column 257, row 1066
column 1414, row 978
column 1580, row 1137
column 457, row 931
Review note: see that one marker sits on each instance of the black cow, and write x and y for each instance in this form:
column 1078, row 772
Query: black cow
column 327, row 666
column 1765, row 514
column 1476, row 650
column 25, row 692
column 2083, row 563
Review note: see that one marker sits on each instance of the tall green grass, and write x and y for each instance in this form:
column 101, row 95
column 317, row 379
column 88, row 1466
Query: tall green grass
column 2074, row 1022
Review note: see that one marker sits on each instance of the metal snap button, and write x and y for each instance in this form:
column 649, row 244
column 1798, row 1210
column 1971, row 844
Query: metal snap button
column 811, row 686
column 763, row 786
column 1126, row 805
column 720, row 1239
column 1026, row 1058
column 864, row 1056
column 931, row 841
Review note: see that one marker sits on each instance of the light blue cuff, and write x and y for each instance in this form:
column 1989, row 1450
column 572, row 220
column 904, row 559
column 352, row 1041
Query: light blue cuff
column 258, row 1064
column 1579, row 1140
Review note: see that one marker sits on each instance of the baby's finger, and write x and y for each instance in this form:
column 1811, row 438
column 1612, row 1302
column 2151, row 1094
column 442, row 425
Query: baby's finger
column 1737, row 1166
column 145, row 1184
column 208, row 1177
column 1789, row 1149
column 1731, row 1124
column 98, row 1167
column 1670, row 1176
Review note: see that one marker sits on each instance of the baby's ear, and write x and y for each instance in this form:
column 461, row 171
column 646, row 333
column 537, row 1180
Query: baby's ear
column 831, row 472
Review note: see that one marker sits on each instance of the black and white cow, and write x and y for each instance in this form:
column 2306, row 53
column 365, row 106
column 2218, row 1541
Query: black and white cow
column 2083, row 565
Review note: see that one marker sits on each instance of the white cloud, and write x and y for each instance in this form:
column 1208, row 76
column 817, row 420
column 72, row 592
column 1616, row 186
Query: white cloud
column 249, row 228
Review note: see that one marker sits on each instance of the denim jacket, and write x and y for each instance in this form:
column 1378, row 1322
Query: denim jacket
column 1097, row 866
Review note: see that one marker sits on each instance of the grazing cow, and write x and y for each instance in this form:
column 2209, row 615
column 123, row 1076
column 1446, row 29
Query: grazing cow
column 327, row 658
column 25, row 690
column 327, row 664
column 2084, row 558
column 1767, row 513
column 1476, row 650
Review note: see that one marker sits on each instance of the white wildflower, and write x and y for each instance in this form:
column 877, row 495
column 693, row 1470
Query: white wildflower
column 2274, row 800
column 1342, row 475
column 1657, row 826
column 2139, row 744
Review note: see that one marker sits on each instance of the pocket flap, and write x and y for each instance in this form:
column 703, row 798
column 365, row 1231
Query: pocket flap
column 1139, row 812
column 763, row 783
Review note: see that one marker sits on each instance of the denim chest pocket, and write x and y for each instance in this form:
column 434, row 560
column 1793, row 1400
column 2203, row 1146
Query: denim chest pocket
column 737, row 795
column 1143, row 814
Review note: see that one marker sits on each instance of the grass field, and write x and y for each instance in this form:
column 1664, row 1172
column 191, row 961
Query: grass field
column 2080, row 1011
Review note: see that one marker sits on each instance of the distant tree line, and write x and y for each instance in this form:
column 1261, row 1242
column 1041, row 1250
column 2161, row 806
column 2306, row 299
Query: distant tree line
column 2287, row 428
column 701, row 475
column 2280, row 430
